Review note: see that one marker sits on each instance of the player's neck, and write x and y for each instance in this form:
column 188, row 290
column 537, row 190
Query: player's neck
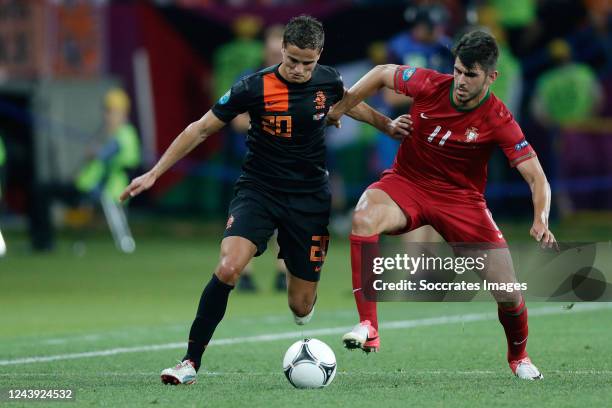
column 472, row 103
column 282, row 70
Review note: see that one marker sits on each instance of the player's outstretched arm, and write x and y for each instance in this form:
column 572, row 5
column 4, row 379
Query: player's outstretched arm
column 397, row 128
column 186, row 141
column 532, row 172
column 368, row 85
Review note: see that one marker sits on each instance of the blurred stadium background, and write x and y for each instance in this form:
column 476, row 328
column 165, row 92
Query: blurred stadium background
column 173, row 58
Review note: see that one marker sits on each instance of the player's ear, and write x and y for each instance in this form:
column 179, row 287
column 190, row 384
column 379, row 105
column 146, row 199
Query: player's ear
column 493, row 76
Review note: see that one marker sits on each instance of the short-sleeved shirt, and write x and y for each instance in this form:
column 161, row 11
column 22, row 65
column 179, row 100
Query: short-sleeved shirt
column 450, row 148
column 286, row 145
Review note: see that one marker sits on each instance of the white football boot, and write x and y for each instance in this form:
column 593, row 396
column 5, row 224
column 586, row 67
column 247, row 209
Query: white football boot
column 363, row 336
column 183, row 373
column 525, row 369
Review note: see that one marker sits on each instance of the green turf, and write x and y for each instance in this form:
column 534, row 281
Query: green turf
column 60, row 303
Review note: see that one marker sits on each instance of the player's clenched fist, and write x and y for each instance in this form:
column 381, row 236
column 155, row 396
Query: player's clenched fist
column 543, row 235
column 400, row 127
column 138, row 185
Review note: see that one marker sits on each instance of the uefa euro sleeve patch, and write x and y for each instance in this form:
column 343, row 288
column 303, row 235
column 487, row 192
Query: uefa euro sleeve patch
column 521, row 145
column 407, row 74
column 223, row 100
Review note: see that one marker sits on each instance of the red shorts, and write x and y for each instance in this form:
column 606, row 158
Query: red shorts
column 457, row 222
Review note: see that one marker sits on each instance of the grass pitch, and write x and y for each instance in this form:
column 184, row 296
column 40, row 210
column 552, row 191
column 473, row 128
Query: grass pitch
column 105, row 324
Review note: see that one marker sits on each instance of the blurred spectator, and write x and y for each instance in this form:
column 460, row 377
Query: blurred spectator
column 106, row 172
column 531, row 24
column 600, row 13
column 515, row 15
column 424, row 44
column 102, row 179
column 566, row 97
column 509, row 84
column 567, row 94
column 518, row 19
column 238, row 56
column 566, row 35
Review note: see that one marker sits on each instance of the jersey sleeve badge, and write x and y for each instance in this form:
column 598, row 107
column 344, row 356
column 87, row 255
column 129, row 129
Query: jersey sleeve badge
column 408, row 73
column 522, row 144
column 223, row 99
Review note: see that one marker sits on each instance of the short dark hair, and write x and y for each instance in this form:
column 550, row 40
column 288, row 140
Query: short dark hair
column 477, row 47
column 304, row 32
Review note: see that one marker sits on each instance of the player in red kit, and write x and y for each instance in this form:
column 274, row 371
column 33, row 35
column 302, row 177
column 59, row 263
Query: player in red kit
column 439, row 176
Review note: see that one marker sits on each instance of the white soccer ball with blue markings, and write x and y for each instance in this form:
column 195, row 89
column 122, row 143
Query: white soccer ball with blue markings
column 309, row 363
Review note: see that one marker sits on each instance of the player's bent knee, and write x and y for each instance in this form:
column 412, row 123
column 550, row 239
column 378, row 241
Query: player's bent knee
column 229, row 270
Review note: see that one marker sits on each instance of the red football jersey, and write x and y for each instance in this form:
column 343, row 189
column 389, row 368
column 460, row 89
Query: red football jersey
column 450, row 148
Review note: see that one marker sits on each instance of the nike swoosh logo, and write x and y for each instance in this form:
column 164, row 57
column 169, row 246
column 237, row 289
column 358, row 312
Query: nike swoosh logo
column 424, row 116
column 518, row 343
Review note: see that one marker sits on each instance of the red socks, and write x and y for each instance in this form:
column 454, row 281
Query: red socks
column 514, row 321
column 366, row 309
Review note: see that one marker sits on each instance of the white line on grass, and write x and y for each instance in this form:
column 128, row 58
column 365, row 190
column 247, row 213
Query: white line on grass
column 122, row 334
column 400, row 324
column 87, row 337
column 271, row 373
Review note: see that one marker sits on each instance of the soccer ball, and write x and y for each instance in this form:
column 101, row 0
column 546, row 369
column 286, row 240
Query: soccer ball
column 309, row 363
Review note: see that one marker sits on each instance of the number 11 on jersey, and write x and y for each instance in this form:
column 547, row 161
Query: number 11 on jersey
column 433, row 135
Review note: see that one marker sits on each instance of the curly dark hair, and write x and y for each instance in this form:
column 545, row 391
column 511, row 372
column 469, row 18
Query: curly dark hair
column 304, row 32
column 477, row 47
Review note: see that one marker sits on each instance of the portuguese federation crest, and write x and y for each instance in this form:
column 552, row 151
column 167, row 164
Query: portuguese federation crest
column 471, row 134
